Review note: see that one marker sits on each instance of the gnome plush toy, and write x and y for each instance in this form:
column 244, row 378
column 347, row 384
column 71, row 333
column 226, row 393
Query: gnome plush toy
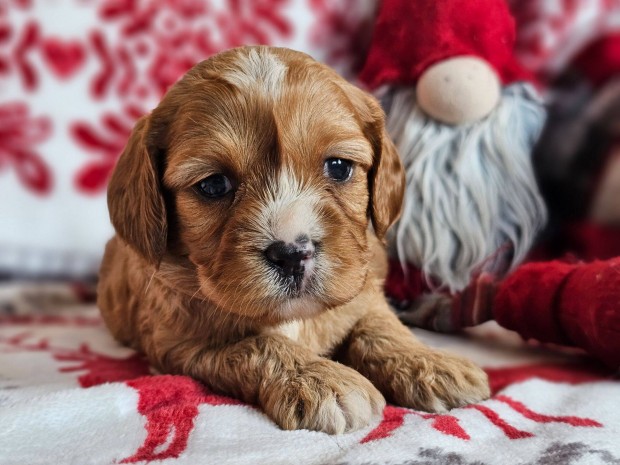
column 464, row 116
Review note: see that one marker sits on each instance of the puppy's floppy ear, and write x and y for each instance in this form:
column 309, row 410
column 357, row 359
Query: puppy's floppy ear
column 135, row 200
column 386, row 178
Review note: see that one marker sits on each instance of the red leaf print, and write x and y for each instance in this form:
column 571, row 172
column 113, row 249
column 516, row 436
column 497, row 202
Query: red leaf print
column 99, row 368
column 170, row 405
column 101, row 82
column 104, row 369
column 394, row 418
column 91, row 178
column 510, row 431
column 168, row 37
column 154, row 42
column 88, row 138
column 32, row 171
column 27, row 42
column 537, row 417
column 107, row 141
column 19, row 132
column 500, row 378
column 5, row 32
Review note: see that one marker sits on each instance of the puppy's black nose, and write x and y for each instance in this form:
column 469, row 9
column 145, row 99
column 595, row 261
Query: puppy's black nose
column 289, row 259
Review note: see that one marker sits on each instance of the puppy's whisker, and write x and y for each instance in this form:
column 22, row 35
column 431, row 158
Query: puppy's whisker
column 149, row 283
column 194, row 295
column 227, row 304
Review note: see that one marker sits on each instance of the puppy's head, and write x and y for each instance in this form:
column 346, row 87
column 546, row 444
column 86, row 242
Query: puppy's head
column 264, row 168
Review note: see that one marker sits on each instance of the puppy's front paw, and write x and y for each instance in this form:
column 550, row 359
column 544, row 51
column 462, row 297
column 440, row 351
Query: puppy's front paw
column 323, row 396
column 436, row 382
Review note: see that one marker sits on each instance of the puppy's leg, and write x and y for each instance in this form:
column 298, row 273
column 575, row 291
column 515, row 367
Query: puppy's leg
column 407, row 372
column 296, row 388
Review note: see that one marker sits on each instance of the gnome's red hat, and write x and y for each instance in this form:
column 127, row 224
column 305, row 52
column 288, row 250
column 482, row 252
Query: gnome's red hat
column 410, row 36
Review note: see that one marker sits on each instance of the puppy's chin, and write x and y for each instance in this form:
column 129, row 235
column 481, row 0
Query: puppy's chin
column 299, row 308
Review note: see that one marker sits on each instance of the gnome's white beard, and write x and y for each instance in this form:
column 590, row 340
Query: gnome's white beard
column 470, row 189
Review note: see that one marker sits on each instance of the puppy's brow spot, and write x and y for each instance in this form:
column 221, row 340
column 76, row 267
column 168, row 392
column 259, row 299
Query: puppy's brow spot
column 290, row 210
column 257, row 68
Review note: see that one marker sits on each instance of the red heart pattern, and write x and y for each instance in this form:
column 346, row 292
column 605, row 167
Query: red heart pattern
column 63, row 57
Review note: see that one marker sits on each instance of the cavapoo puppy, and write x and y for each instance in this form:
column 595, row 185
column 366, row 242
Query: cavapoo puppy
column 249, row 208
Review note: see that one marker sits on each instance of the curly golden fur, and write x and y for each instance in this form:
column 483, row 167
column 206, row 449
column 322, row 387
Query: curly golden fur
column 186, row 279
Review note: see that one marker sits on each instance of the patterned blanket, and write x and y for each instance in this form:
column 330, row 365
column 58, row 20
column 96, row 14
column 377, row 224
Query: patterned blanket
column 69, row 394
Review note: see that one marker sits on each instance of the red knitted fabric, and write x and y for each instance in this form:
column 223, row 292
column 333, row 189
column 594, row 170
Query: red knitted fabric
column 590, row 241
column 571, row 304
column 404, row 287
column 411, row 35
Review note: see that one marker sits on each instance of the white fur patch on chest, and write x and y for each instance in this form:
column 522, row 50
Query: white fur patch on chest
column 257, row 69
column 292, row 330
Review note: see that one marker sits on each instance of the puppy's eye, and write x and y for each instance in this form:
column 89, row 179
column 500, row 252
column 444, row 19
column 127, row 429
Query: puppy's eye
column 216, row 185
column 338, row 169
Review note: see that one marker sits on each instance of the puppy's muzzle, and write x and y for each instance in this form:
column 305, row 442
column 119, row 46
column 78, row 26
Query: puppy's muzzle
column 292, row 261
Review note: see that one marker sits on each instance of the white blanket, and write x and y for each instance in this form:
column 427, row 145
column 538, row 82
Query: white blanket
column 69, row 394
